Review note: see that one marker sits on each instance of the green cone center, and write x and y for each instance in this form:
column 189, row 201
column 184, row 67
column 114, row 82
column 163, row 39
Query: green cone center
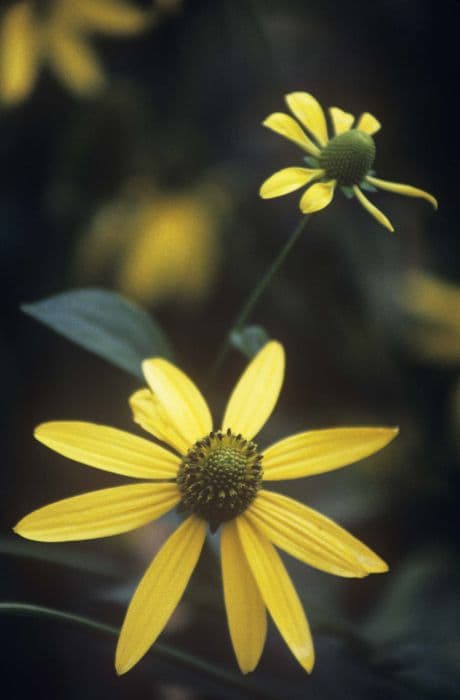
column 219, row 477
column 348, row 157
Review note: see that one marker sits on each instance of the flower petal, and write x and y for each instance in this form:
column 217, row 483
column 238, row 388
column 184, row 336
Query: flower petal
column 75, row 62
column 99, row 513
column 341, row 121
column 317, row 197
column 311, row 537
column 309, row 113
column 159, row 592
column 256, row 393
column 107, row 16
column 319, row 451
column 288, row 180
column 149, row 414
column 182, row 404
column 19, row 53
column 278, row 592
column 247, row 619
column 368, row 123
column 399, row 188
column 372, row 209
column 108, row 449
column 286, row 126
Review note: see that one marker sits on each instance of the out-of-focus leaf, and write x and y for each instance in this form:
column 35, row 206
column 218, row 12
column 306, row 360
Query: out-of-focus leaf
column 249, row 340
column 105, row 323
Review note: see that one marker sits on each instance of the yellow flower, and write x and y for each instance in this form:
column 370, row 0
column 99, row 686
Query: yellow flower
column 216, row 478
column 33, row 34
column 344, row 161
column 434, row 304
column 155, row 246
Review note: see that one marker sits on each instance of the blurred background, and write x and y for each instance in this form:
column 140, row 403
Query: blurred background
column 132, row 154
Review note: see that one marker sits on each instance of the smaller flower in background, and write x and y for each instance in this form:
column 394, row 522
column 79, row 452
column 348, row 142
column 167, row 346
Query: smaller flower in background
column 215, row 478
column 57, row 33
column 433, row 335
column 434, row 306
column 343, row 161
column 155, row 246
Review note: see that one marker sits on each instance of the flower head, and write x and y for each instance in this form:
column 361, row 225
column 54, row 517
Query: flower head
column 56, row 33
column 214, row 477
column 345, row 160
column 156, row 246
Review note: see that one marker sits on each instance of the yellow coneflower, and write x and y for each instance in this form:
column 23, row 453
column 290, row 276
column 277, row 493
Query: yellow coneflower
column 57, row 33
column 344, row 161
column 215, row 478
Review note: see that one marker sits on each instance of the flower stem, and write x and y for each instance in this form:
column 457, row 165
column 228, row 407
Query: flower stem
column 257, row 292
column 164, row 652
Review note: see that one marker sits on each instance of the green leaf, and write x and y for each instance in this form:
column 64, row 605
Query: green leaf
column 104, row 323
column 249, row 340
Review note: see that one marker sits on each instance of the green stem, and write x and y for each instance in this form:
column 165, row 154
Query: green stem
column 257, row 292
column 162, row 651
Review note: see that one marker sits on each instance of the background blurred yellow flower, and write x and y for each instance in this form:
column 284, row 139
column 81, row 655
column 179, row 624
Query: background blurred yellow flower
column 435, row 306
column 155, row 246
column 56, row 33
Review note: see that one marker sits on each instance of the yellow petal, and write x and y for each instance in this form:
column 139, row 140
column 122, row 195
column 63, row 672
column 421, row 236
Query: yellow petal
column 106, row 16
column 149, row 414
column 159, row 592
column 406, row 190
column 256, row 393
column 319, row 451
column 309, row 113
column 372, row 209
column 317, row 197
column 99, row 513
column 19, row 52
column 182, row 404
column 287, row 180
column 278, row 592
column 74, row 62
column 311, row 537
column 286, row 126
column 342, row 121
column 246, row 615
column 368, row 123
column 108, row 449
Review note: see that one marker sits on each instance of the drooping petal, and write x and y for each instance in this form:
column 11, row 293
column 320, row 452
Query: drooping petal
column 319, row 451
column 109, row 449
column 150, row 415
column 75, row 62
column 286, row 126
column 182, row 404
column 159, row 592
column 342, row 121
column 19, row 52
column 317, row 197
column 368, row 123
column 247, row 619
column 277, row 591
column 309, row 113
column 256, row 393
column 311, row 537
column 288, row 180
column 106, row 16
column 99, row 513
column 372, row 209
column 399, row 188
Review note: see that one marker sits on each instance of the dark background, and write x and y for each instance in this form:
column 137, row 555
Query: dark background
column 184, row 105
